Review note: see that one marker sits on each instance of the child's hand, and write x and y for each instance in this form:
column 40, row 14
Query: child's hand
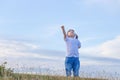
column 62, row 26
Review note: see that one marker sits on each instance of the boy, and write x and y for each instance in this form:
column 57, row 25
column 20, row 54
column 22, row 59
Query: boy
column 72, row 57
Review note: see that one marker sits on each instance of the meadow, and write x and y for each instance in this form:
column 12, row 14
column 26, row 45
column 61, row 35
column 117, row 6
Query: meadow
column 43, row 77
column 10, row 74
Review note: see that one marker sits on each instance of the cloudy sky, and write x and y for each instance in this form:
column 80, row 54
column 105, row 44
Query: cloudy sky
column 30, row 31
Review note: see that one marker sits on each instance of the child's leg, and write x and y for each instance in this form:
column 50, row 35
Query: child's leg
column 76, row 66
column 68, row 65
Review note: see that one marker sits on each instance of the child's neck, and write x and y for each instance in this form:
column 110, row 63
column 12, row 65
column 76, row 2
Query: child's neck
column 70, row 37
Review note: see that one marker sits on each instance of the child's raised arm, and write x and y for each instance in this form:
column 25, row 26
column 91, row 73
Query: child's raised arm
column 63, row 30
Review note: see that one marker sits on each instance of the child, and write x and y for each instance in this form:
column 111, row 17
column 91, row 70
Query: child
column 72, row 57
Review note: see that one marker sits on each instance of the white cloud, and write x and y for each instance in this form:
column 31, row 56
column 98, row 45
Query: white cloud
column 11, row 48
column 35, row 55
column 18, row 53
column 108, row 49
column 111, row 48
column 16, row 49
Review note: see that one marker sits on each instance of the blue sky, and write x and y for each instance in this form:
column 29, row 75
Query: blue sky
column 30, row 31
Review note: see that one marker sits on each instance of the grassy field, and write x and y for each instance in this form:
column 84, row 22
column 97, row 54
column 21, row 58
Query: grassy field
column 9, row 74
column 43, row 77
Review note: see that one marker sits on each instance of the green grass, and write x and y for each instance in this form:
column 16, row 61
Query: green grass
column 43, row 77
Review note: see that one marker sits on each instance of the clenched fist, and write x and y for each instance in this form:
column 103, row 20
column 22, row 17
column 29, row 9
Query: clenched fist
column 62, row 26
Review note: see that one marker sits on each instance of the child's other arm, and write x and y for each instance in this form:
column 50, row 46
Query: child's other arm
column 79, row 45
column 63, row 30
column 76, row 36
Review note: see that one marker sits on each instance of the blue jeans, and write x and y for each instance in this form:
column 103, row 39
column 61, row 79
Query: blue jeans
column 72, row 63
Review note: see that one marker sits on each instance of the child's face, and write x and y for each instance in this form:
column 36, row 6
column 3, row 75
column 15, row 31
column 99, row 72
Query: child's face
column 71, row 33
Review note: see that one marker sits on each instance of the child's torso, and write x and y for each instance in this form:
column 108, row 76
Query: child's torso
column 72, row 47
